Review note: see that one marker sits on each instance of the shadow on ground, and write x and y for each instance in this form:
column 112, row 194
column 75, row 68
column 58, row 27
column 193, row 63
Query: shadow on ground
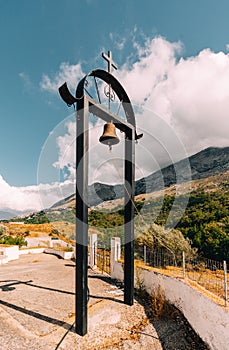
column 173, row 330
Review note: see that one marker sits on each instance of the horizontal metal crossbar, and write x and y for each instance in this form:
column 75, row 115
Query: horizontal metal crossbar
column 108, row 116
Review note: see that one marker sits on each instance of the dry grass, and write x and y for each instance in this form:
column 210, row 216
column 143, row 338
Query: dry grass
column 64, row 227
column 210, row 283
column 34, row 229
column 157, row 306
column 37, row 230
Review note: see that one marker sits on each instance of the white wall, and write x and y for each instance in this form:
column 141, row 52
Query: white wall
column 208, row 319
column 11, row 252
column 3, row 258
column 31, row 251
column 61, row 253
column 45, row 241
column 38, row 241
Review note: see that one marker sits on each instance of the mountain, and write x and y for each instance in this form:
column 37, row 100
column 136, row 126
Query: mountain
column 206, row 163
column 209, row 166
column 6, row 215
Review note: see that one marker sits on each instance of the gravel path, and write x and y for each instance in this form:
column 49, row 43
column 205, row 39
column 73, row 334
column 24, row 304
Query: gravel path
column 37, row 312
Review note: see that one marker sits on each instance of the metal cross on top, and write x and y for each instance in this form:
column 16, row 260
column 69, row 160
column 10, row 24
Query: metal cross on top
column 109, row 60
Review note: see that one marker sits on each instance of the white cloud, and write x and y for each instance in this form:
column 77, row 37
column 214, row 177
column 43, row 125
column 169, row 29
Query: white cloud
column 153, row 152
column 18, row 198
column 67, row 73
column 153, row 63
column 181, row 104
column 191, row 94
column 66, row 144
column 28, row 198
column 183, row 107
column 198, row 94
column 54, row 192
column 26, row 79
column 118, row 41
column 100, row 158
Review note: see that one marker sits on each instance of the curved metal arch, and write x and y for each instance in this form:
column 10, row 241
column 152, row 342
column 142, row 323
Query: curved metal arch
column 118, row 89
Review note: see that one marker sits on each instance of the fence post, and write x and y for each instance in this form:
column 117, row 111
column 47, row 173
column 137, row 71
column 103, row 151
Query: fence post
column 115, row 251
column 93, row 250
column 225, row 282
column 183, row 264
column 144, row 255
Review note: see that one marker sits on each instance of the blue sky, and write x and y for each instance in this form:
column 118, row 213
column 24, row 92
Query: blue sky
column 37, row 37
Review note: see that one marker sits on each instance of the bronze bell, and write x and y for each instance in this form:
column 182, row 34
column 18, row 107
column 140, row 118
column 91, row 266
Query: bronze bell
column 109, row 136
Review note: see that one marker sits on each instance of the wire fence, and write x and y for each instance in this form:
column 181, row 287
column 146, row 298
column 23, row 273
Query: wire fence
column 103, row 260
column 211, row 274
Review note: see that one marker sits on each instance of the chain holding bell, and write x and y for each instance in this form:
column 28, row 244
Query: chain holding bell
column 109, row 136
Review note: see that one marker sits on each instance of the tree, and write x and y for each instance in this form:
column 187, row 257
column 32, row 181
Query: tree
column 215, row 241
column 26, row 233
column 18, row 240
column 172, row 240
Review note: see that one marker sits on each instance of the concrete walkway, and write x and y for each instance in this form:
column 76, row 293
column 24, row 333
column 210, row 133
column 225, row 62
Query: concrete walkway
column 37, row 310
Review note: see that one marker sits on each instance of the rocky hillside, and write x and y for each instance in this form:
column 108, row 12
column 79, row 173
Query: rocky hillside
column 209, row 162
column 209, row 167
column 205, row 219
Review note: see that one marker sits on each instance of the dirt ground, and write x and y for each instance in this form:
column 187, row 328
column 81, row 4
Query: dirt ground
column 37, row 311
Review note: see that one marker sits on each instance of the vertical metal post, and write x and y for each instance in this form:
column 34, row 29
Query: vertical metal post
column 81, row 216
column 225, row 282
column 84, row 105
column 129, row 218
